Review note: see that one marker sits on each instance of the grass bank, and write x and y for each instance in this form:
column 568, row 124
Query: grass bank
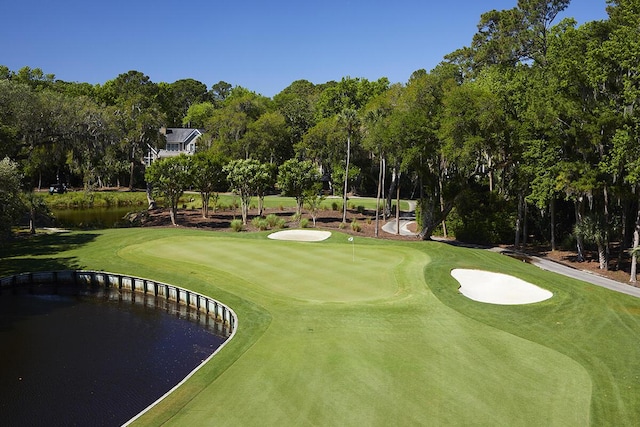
column 374, row 332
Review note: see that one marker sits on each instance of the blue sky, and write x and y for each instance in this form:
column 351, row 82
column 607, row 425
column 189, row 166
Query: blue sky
column 263, row 46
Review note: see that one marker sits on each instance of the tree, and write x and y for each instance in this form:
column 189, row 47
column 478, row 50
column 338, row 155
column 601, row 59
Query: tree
column 198, row 114
column 170, row 178
column 591, row 229
column 295, row 177
column 208, row 176
column 323, row 144
column 268, row 140
column 313, row 198
column 348, row 118
column 132, row 100
column 176, row 98
column 36, row 206
column 264, row 181
column 10, row 205
column 241, row 175
column 220, row 91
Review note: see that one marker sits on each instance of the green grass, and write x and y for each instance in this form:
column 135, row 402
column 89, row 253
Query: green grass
column 382, row 337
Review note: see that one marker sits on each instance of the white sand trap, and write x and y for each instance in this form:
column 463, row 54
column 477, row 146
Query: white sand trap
column 301, row 235
column 496, row 288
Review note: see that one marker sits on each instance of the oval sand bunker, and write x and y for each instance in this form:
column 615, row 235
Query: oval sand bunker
column 497, row 288
column 301, row 235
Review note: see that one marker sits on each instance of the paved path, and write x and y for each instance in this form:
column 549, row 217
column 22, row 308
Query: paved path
column 565, row 270
column 408, row 218
column 585, row 276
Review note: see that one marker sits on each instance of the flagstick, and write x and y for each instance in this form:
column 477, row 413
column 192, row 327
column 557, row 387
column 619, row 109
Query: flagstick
column 353, row 247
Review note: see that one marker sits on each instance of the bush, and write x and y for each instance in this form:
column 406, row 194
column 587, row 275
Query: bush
column 334, row 206
column 260, row 223
column 281, row 223
column 482, row 217
column 272, row 220
column 237, row 225
column 360, row 209
column 355, row 226
column 342, row 226
column 304, row 222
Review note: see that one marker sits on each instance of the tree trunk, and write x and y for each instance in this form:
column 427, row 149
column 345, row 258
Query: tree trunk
column 384, row 180
column 602, row 256
column 172, row 215
column 32, row 221
column 525, row 230
column 151, row 202
column 392, row 188
column 579, row 240
column 260, row 205
column 518, row 222
column 636, row 242
column 131, row 168
column 205, row 204
column 440, row 190
column 378, row 198
column 346, row 181
column 552, row 215
column 398, row 205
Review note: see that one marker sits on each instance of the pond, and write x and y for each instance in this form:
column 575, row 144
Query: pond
column 91, row 217
column 91, row 360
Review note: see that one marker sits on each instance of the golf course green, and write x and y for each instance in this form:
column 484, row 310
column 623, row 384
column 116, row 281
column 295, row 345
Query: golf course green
column 373, row 332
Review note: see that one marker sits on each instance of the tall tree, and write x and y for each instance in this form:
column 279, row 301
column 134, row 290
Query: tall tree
column 10, row 205
column 208, row 177
column 348, row 118
column 170, row 178
column 176, row 98
column 132, row 98
column 295, row 177
column 242, row 176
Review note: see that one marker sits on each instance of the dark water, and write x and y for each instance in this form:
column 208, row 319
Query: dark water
column 94, row 361
column 91, row 217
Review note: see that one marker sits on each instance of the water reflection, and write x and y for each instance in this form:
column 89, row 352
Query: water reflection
column 97, row 358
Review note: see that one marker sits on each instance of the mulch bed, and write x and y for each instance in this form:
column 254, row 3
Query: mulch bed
column 332, row 221
column 221, row 221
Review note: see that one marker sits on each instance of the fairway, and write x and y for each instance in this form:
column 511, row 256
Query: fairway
column 376, row 333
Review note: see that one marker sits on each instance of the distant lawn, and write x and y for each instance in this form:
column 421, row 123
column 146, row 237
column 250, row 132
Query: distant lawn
column 381, row 337
column 191, row 200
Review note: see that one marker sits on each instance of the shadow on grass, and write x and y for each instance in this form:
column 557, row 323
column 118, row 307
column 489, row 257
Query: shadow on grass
column 27, row 254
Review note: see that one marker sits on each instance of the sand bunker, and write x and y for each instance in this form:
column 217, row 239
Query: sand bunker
column 301, row 235
column 496, row 288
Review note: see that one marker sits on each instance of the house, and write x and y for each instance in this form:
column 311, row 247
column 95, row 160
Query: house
column 179, row 141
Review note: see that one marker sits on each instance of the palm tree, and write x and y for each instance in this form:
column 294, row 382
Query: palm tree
column 349, row 119
column 592, row 230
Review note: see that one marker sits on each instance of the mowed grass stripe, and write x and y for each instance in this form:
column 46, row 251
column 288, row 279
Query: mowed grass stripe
column 292, row 269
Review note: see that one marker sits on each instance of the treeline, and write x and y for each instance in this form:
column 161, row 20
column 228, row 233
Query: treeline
column 533, row 130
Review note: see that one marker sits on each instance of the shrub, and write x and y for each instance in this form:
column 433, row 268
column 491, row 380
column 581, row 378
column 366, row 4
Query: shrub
column 304, row 222
column 237, row 225
column 272, row 220
column 296, row 217
column 260, row 223
column 355, row 226
column 342, row 226
column 368, row 220
column 281, row 223
column 360, row 209
column 334, row 206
